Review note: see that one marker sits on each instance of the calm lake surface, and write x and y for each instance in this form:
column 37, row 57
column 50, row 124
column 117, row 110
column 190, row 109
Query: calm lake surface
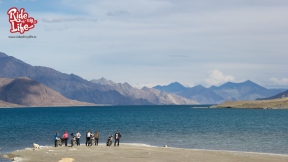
column 253, row 130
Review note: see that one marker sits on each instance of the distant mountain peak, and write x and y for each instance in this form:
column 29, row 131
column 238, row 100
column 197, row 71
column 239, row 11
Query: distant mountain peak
column 199, row 86
column 237, row 85
column 3, row 54
column 175, row 84
column 171, row 88
column 145, row 88
column 127, row 84
column 103, row 81
column 249, row 82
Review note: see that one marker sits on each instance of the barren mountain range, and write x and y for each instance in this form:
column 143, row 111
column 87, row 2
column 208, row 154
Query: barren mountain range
column 153, row 96
column 229, row 91
column 76, row 88
column 63, row 88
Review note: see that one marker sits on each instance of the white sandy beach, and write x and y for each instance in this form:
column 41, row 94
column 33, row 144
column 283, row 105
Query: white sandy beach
column 137, row 153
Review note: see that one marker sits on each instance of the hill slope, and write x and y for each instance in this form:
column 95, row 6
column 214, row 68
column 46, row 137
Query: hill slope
column 279, row 95
column 27, row 92
column 281, row 103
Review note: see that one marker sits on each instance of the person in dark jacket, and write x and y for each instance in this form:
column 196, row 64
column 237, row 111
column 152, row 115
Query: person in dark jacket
column 117, row 137
column 88, row 137
column 55, row 138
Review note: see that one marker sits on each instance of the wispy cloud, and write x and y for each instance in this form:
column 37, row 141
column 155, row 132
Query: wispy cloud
column 118, row 13
column 50, row 28
column 269, row 72
column 178, row 55
column 280, row 82
column 1, row 1
column 57, row 20
column 216, row 77
column 145, row 84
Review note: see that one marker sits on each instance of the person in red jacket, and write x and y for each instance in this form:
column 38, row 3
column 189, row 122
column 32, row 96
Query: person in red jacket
column 65, row 137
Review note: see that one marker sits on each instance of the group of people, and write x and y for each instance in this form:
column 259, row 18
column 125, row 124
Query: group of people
column 89, row 135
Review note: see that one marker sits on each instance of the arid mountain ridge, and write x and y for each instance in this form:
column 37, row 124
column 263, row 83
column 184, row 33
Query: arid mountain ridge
column 104, row 91
column 76, row 88
column 229, row 91
column 152, row 95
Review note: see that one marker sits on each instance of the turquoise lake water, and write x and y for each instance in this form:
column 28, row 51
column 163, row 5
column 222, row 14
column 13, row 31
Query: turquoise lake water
column 253, row 130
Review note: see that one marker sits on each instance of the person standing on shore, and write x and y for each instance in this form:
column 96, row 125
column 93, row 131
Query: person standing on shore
column 117, row 137
column 88, row 137
column 55, row 138
column 65, row 137
column 78, row 135
column 96, row 136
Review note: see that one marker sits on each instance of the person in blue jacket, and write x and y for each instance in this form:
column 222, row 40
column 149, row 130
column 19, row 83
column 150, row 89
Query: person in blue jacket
column 55, row 138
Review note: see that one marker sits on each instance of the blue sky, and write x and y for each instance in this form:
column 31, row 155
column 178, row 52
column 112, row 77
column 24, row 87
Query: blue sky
column 146, row 43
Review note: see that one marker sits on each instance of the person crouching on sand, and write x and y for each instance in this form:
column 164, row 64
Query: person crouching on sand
column 117, row 137
column 65, row 137
column 96, row 136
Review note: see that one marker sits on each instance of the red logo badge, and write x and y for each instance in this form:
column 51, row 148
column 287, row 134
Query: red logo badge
column 19, row 20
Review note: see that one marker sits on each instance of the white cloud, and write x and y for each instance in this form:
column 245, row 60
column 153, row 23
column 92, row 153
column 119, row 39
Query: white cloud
column 281, row 82
column 159, row 41
column 50, row 28
column 177, row 55
column 118, row 13
column 146, row 84
column 216, row 77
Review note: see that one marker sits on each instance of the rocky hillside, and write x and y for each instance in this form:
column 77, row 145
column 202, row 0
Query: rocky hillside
column 71, row 86
column 152, row 95
column 280, row 95
column 167, row 98
column 24, row 91
column 4, row 104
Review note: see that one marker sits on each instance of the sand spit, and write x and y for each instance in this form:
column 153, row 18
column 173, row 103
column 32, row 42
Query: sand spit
column 137, row 153
column 281, row 103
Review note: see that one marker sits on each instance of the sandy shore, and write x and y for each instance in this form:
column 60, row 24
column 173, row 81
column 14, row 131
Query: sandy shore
column 281, row 103
column 138, row 153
